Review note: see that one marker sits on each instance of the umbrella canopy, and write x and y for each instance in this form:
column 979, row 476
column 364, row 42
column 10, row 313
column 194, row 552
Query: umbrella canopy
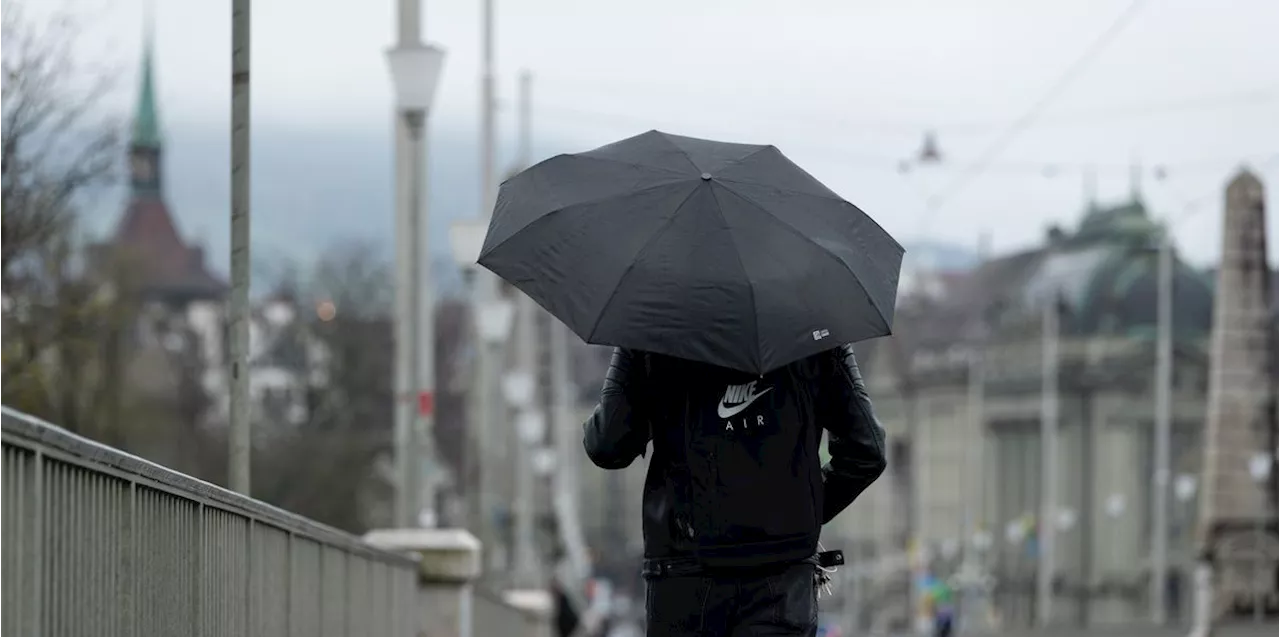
column 727, row 254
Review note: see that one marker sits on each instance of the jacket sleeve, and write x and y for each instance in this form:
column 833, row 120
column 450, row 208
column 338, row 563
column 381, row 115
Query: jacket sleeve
column 855, row 438
column 617, row 432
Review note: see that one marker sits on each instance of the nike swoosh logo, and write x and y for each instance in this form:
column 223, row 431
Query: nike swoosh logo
column 729, row 411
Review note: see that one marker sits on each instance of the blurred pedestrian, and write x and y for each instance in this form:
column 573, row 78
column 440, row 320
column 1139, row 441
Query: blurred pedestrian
column 736, row 494
column 566, row 617
column 940, row 599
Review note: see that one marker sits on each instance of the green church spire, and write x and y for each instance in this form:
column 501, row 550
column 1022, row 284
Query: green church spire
column 146, row 117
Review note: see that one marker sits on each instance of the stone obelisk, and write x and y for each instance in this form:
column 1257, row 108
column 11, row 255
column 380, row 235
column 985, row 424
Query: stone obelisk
column 1235, row 507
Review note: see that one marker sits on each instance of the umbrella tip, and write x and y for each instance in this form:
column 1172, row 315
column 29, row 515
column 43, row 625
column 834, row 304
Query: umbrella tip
column 706, row 176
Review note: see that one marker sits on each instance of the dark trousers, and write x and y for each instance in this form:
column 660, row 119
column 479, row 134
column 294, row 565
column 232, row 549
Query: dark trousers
column 777, row 602
column 944, row 626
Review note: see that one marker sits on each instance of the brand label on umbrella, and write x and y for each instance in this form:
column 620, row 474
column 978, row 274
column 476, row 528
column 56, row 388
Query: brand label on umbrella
column 821, row 334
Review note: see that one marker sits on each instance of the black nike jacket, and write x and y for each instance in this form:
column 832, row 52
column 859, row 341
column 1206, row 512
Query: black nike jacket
column 735, row 478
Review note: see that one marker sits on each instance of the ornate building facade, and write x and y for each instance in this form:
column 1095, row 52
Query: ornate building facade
column 959, row 390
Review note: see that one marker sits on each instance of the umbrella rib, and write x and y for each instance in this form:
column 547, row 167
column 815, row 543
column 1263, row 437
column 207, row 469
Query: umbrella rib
column 798, row 233
column 751, row 286
column 632, row 164
column 555, row 211
column 802, row 193
column 792, row 191
column 625, row 273
column 683, row 153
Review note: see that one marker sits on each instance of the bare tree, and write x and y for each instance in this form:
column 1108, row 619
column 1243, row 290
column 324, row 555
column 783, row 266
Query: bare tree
column 335, row 466
column 327, row 466
column 57, row 143
column 62, row 325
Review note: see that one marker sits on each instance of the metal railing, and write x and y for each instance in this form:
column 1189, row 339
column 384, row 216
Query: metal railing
column 100, row 543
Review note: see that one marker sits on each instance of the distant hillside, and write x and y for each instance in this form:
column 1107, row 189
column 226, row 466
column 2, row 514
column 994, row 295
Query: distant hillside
column 311, row 191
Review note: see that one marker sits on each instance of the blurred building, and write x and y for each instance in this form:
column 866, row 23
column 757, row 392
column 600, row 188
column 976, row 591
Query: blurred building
column 179, row 349
column 964, row 459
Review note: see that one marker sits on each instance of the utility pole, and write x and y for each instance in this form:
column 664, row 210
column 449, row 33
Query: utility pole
column 485, row 398
column 405, row 301
column 1162, row 430
column 974, row 478
column 531, row 432
column 415, row 73
column 568, row 450
column 240, row 435
column 488, row 132
column 527, row 342
column 524, row 143
column 1048, row 460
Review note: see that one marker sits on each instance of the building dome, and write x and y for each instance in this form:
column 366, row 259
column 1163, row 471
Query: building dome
column 1122, row 297
column 1105, row 275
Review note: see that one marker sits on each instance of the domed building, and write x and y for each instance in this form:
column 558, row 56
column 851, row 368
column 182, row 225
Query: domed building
column 964, row 476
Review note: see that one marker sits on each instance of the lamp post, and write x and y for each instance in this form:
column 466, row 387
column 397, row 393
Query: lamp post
column 1047, row 546
column 1162, row 431
column 415, row 73
column 493, row 318
column 240, row 450
column 1184, row 490
column 1114, row 506
column 519, row 387
column 1260, row 471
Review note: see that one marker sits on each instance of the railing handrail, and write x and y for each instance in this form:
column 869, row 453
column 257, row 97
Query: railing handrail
column 27, row 431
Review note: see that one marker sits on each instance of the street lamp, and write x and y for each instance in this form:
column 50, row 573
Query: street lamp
column 1066, row 519
column 981, row 541
column 1260, row 467
column 1115, row 505
column 415, row 73
column 466, row 239
column 1184, row 489
column 493, row 324
column 531, row 427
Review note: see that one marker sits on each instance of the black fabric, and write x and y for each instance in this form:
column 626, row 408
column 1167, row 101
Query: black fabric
column 735, row 479
column 783, row 602
column 728, row 254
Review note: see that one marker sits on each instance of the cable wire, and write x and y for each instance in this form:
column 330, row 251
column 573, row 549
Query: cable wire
column 978, row 167
column 1079, row 116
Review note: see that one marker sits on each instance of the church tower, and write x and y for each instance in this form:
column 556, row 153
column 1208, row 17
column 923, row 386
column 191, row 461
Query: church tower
column 146, row 143
column 168, row 269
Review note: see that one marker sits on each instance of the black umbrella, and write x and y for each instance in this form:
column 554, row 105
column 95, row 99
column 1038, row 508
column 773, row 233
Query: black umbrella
column 722, row 253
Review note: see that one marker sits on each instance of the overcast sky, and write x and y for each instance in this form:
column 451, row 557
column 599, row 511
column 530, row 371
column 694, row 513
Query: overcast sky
column 845, row 87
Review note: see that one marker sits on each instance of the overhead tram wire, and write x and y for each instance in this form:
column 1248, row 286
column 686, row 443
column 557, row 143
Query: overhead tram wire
column 835, row 154
column 978, row 167
column 1073, row 117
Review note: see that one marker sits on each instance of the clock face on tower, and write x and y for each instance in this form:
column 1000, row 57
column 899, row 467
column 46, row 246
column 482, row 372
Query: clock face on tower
column 143, row 170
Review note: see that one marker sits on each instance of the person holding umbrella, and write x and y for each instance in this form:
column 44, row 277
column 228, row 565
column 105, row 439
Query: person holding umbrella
column 731, row 284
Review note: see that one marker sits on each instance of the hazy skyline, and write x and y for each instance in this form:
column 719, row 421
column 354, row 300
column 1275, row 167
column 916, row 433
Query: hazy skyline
column 847, row 89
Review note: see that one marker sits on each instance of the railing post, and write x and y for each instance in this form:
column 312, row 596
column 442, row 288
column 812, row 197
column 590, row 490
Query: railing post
column 37, row 542
column 448, row 563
